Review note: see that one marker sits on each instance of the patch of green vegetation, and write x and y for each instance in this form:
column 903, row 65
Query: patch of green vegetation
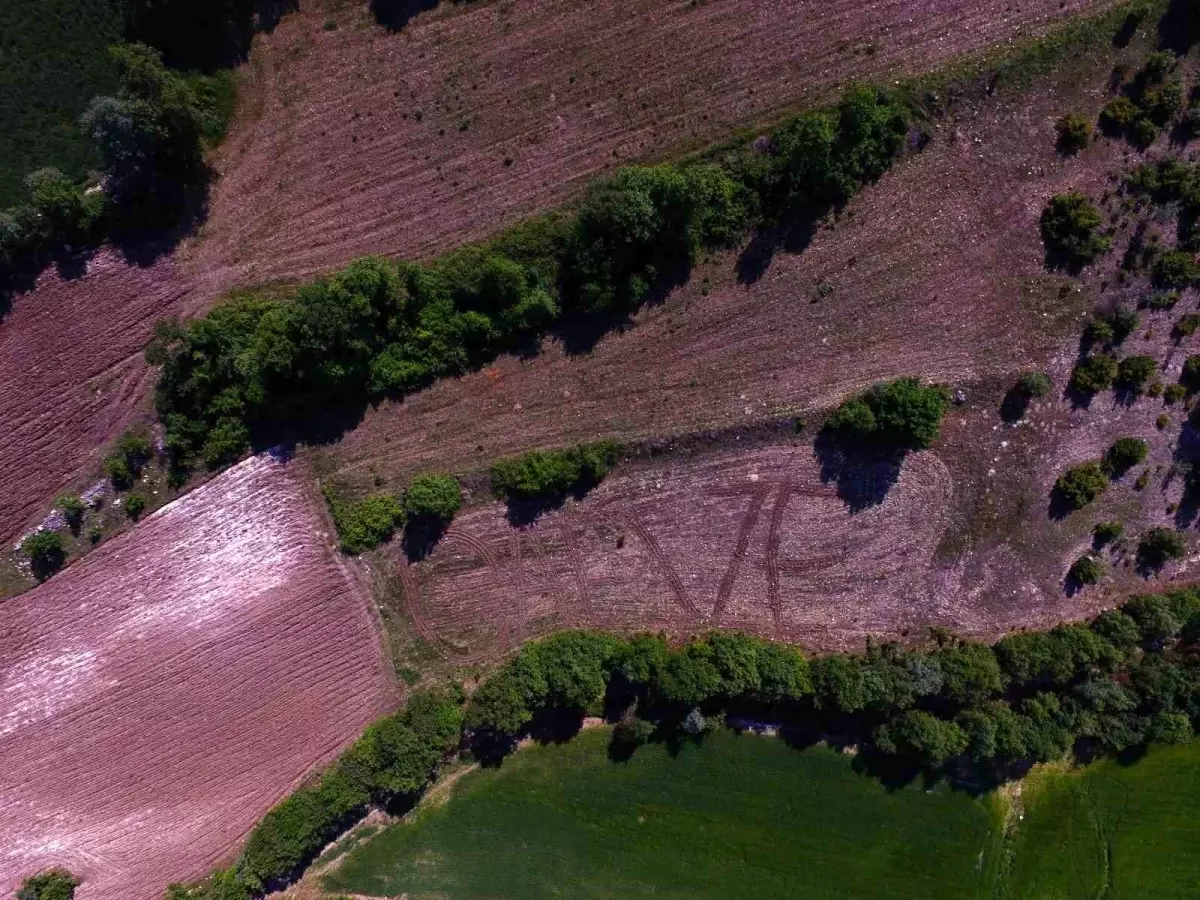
column 1158, row 546
column 1111, row 829
column 1074, row 133
column 1071, row 231
column 432, row 498
column 891, row 416
column 1081, row 484
column 1123, row 455
column 722, row 815
column 54, row 884
column 53, row 60
column 1094, row 374
column 549, row 475
column 364, row 524
column 44, row 550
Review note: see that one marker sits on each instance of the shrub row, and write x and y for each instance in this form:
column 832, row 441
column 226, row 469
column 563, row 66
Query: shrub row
column 429, row 504
column 1130, row 676
column 150, row 140
column 547, row 476
column 252, row 367
column 389, row 765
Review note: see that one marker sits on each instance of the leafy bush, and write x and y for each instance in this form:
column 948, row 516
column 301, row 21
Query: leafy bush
column 1134, row 371
column 1094, row 374
column 1107, row 532
column 44, row 550
column 1074, row 132
column 1123, row 455
column 1086, row 570
column 1160, row 300
column 1158, row 546
column 1098, row 331
column 1176, row 392
column 73, row 510
column 1120, row 114
column 919, row 734
column 432, row 498
column 1034, row 384
column 135, row 505
column 549, row 475
column 1176, row 269
column 1081, row 484
column 364, row 525
column 1187, row 325
column 54, row 884
column 1070, row 230
column 891, row 416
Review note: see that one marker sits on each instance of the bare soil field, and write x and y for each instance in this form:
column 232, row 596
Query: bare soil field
column 73, row 374
column 357, row 140
column 349, row 142
column 937, row 270
column 160, row 695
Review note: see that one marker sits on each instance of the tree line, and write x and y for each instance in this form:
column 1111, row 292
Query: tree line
column 254, row 369
column 953, row 708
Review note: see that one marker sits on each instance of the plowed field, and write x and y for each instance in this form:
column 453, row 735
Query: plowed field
column 157, row 697
column 363, row 141
column 72, row 369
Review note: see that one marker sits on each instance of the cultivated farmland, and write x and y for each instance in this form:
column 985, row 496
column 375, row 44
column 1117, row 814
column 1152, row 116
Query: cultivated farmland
column 470, row 118
column 161, row 694
column 706, row 823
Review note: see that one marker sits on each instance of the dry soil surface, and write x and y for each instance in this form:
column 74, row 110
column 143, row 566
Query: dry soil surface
column 157, row 697
column 358, row 140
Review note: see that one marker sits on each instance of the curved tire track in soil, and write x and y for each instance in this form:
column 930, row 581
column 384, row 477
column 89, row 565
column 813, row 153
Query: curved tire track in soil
column 158, row 696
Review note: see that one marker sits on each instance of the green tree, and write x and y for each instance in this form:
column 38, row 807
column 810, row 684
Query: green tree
column 1123, row 455
column 895, row 415
column 1074, row 133
column 1158, row 546
column 73, row 510
column 1071, row 230
column 1086, row 570
column 923, row 737
column 432, row 498
column 1094, row 374
column 135, row 505
column 1134, row 371
column 1081, row 484
column 44, row 550
column 54, row 884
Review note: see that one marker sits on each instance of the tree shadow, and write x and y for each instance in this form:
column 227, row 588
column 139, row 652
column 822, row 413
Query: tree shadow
column 792, row 234
column 1179, row 27
column 556, row 725
column 524, row 511
column 1128, row 29
column 1059, row 506
column 395, row 14
column 1014, row 405
column 862, row 477
column 421, row 536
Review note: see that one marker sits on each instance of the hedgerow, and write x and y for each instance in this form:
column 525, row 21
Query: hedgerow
column 1129, row 677
column 549, row 475
column 254, row 367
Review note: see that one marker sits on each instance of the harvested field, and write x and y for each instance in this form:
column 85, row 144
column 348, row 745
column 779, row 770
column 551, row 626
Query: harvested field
column 73, row 374
column 161, row 694
column 936, row 270
column 360, row 141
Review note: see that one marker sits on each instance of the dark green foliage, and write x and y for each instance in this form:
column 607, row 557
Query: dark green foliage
column 891, row 416
column 919, row 735
column 1035, row 384
column 1176, row 269
column 1187, row 325
column 549, row 475
column 1086, row 570
column 135, row 505
column 1098, row 331
column 631, row 733
column 644, row 225
column 396, row 756
column 1134, row 372
column 1081, row 484
column 1148, row 103
column 1158, row 546
column 1120, row 114
column 54, row 884
column 193, row 35
column 1094, row 374
column 73, row 510
column 1160, row 300
column 1074, row 132
column 1071, row 230
column 970, row 673
column 432, row 498
column 1107, row 532
column 1174, row 393
column 366, row 524
column 1123, row 455
column 44, row 550
column 820, row 160
column 53, row 58
column 124, row 465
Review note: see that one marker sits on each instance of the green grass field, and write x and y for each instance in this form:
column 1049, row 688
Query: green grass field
column 735, row 817
column 53, row 60
column 1111, row 831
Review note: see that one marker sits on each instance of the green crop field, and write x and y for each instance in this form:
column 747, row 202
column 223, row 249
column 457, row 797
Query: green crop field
column 1111, row 831
column 53, row 60
column 736, row 816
